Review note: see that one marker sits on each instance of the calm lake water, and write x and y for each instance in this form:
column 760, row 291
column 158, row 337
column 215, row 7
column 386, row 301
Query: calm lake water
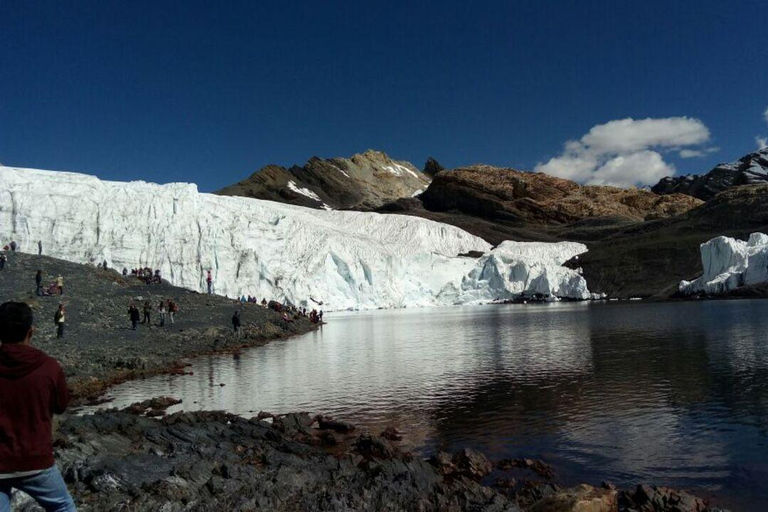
column 673, row 394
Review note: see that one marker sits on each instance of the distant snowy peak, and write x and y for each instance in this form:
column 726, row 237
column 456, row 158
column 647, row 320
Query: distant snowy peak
column 364, row 181
column 333, row 259
column 749, row 170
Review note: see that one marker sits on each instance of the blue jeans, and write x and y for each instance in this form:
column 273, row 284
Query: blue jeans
column 47, row 488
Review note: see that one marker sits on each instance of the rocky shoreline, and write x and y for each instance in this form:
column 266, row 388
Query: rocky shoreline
column 100, row 349
column 129, row 460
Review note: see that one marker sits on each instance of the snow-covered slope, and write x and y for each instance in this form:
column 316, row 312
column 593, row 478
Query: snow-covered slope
column 267, row 249
column 729, row 263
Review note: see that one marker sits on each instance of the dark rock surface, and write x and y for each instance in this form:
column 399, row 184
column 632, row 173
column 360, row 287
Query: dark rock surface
column 364, row 181
column 99, row 347
column 751, row 169
column 432, row 167
column 212, row 461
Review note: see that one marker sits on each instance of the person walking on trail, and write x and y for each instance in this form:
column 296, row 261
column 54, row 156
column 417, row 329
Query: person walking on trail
column 32, row 389
column 59, row 318
column 3, row 259
column 236, row 323
column 60, row 284
column 133, row 313
column 39, row 283
column 161, row 312
column 209, row 280
column 147, row 313
column 172, row 309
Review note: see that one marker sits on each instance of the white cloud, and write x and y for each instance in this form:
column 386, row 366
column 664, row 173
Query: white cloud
column 762, row 142
column 621, row 152
column 697, row 153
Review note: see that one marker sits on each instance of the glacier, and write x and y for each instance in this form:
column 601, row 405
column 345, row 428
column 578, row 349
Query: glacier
column 729, row 263
column 336, row 260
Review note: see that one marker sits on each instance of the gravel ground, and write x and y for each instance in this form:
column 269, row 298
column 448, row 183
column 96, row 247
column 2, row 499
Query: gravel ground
column 100, row 349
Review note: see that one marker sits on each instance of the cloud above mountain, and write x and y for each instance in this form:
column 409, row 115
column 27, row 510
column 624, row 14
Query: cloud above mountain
column 762, row 141
column 628, row 152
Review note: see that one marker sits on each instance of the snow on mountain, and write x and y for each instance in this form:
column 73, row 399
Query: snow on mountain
column 729, row 263
column 344, row 259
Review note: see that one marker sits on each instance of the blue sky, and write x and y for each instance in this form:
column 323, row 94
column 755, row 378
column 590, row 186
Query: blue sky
column 209, row 92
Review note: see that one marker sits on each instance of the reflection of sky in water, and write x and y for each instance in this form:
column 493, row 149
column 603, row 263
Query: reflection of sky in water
column 666, row 393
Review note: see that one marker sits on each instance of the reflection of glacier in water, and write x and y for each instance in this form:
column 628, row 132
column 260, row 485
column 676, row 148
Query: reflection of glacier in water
column 672, row 394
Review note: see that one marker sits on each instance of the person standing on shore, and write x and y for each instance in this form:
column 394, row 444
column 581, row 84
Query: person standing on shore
column 60, row 284
column 161, row 312
column 39, row 247
column 133, row 313
column 59, row 319
column 209, row 280
column 147, row 313
column 172, row 309
column 236, row 323
column 13, row 246
column 39, row 283
column 32, row 389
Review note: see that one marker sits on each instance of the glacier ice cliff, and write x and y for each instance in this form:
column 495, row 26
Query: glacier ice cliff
column 342, row 259
column 729, row 263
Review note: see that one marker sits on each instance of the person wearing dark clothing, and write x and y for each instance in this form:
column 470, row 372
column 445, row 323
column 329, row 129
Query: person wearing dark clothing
column 320, row 316
column 161, row 311
column 58, row 320
column 172, row 309
column 32, row 389
column 133, row 312
column 3, row 259
column 13, row 246
column 39, row 247
column 39, row 283
column 209, row 280
column 147, row 313
column 125, row 272
column 236, row 323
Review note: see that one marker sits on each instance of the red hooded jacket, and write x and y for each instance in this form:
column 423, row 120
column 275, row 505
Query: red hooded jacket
column 32, row 389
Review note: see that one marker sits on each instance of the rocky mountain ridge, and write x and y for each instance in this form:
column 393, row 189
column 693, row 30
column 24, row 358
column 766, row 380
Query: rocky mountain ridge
column 363, row 181
column 751, row 169
column 536, row 198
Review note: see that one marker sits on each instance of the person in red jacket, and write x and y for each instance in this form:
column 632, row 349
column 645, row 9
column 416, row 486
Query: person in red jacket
column 32, row 389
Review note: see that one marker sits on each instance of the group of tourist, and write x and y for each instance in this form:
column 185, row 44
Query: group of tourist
column 56, row 287
column 252, row 300
column 165, row 308
column 146, row 274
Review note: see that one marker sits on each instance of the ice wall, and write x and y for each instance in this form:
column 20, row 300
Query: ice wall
column 729, row 263
column 347, row 260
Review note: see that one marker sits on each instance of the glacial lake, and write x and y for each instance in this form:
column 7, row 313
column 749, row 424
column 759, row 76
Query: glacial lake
column 665, row 393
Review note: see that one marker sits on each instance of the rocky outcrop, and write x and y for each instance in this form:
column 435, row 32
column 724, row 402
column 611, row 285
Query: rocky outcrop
column 751, row 169
column 536, row 198
column 212, row 461
column 364, row 181
column 432, row 167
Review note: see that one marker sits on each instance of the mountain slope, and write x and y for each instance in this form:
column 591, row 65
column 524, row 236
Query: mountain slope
column 651, row 258
column 751, row 169
column 535, row 198
column 364, row 181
